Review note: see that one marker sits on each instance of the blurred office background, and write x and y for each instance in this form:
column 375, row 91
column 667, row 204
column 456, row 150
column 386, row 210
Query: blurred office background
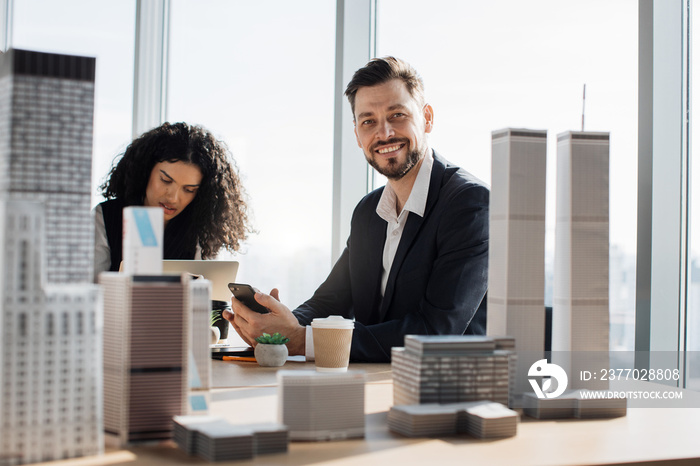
column 261, row 76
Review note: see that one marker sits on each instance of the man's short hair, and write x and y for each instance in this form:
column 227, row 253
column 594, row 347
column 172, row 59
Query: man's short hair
column 381, row 70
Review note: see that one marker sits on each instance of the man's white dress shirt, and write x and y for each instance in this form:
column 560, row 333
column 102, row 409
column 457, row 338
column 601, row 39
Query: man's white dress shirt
column 386, row 209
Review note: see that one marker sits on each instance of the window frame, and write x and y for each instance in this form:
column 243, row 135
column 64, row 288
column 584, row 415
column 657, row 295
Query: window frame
column 663, row 188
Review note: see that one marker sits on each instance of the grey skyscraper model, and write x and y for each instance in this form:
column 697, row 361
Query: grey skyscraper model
column 51, row 338
column 516, row 244
column 46, row 124
column 581, row 316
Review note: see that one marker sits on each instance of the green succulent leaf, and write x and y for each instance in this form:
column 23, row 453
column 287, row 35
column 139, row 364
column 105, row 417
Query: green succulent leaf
column 274, row 339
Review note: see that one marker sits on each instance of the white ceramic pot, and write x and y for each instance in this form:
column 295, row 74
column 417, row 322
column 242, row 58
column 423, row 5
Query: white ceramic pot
column 271, row 355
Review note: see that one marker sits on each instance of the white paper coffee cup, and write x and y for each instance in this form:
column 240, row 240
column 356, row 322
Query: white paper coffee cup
column 332, row 339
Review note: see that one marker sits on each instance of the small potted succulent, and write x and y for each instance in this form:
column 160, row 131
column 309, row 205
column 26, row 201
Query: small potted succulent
column 271, row 350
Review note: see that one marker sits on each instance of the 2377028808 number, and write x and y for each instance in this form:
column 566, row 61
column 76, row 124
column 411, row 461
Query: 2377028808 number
column 640, row 374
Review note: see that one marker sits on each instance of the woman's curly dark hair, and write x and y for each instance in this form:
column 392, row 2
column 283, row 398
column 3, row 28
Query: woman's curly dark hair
column 218, row 215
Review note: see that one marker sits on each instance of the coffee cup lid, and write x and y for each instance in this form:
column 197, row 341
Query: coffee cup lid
column 332, row 322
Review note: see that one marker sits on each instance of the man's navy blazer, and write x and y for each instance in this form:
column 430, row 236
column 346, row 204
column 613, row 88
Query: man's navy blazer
column 437, row 283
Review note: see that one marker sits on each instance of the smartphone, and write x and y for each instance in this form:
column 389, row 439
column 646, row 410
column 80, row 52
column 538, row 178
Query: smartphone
column 246, row 294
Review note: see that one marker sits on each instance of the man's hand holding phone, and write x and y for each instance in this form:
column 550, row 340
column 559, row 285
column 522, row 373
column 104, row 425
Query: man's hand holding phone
column 264, row 314
column 246, row 294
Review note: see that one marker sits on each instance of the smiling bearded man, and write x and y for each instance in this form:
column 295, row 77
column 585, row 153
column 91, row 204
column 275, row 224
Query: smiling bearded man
column 417, row 257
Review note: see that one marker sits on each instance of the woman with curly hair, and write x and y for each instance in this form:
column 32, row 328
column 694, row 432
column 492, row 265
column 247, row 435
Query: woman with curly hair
column 189, row 174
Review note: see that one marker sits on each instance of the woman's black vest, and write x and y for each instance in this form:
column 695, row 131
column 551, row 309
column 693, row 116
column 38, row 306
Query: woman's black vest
column 175, row 242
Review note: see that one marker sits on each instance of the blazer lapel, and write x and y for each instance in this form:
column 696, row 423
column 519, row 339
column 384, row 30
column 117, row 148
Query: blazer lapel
column 372, row 270
column 413, row 225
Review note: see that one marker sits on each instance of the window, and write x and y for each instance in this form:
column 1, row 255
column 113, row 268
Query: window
column 23, row 324
column 491, row 65
column 693, row 302
column 101, row 29
column 23, row 264
column 260, row 75
column 49, row 324
column 65, row 324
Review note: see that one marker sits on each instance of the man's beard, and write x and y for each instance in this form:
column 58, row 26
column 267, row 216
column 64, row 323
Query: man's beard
column 396, row 170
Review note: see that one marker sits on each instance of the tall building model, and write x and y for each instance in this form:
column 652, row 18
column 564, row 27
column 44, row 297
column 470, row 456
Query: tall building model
column 50, row 337
column 516, row 249
column 580, row 318
column 50, row 346
column 146, row 357
column 199, row 311
column 46, row 123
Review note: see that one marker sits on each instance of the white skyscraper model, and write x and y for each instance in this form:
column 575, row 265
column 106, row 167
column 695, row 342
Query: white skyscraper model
column 50, row 346
column 156, row 339
column 516, row 244
column 580, row 317
column 199, row 306
column 47, row 103
column 50, row 337
column 146, row 354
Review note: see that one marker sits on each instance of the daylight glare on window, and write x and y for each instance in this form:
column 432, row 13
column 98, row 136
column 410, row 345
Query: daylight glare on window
column 492, row 65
